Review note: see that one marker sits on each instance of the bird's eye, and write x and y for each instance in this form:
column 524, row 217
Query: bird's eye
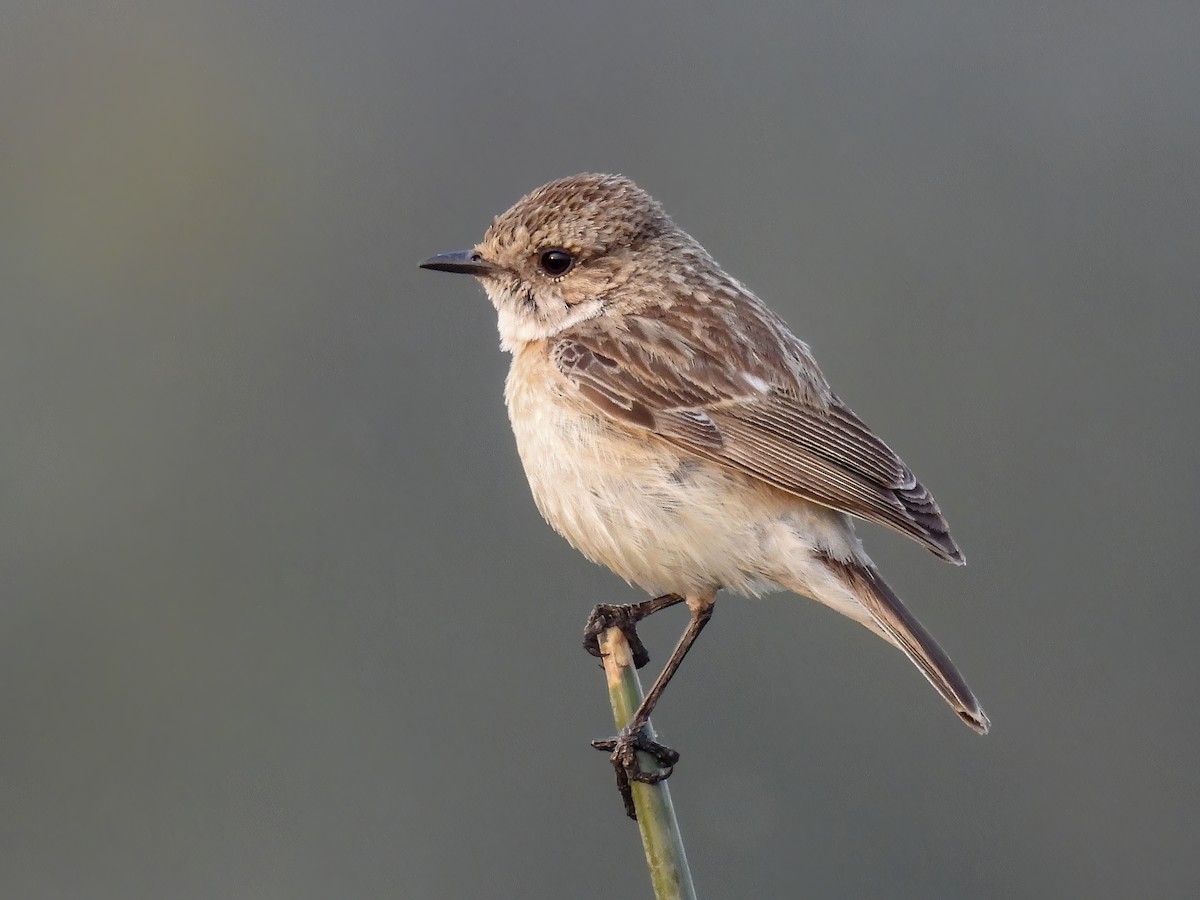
column 556, row 262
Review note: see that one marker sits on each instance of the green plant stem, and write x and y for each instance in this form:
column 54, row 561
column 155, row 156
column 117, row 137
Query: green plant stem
column 656, row 816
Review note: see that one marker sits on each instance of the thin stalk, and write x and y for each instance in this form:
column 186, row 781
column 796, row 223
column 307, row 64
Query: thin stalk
column 656, row 816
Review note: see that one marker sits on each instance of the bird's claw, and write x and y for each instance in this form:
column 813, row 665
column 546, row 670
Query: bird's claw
column 624, row 749
column 608, row 615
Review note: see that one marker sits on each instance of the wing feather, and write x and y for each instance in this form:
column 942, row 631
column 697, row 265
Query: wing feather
column 768, row 415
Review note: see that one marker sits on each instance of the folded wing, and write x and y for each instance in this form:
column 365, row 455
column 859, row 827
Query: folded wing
column 758, row 413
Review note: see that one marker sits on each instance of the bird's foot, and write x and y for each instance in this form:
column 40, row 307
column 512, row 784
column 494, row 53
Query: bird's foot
column 609, row 615
column 624, row 749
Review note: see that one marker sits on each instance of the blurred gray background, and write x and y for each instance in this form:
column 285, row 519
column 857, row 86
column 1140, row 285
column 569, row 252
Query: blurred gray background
column 279, row 618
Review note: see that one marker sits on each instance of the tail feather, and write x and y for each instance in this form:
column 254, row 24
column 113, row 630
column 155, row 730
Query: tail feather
column 891, row 619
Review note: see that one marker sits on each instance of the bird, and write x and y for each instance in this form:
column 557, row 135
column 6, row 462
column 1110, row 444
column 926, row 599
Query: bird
column 674, row 429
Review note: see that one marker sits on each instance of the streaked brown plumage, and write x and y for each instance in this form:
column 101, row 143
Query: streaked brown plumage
column 674, row 429
column 795, row 434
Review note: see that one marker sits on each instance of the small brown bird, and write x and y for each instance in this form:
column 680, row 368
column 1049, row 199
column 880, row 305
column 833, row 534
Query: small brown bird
column 673, row 429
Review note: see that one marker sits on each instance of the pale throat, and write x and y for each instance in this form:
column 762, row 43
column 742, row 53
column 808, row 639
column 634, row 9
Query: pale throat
column 520, row 322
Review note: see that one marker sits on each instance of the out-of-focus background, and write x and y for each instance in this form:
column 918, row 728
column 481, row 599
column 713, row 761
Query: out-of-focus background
column 278, row 616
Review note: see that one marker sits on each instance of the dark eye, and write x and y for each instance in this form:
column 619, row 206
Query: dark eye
column 556, row 262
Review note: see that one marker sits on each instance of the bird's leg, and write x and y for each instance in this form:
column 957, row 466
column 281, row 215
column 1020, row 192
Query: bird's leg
column 607, row 615
column 625, row 746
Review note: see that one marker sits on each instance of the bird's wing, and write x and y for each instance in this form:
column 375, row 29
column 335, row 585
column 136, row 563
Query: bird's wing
column 747, row 411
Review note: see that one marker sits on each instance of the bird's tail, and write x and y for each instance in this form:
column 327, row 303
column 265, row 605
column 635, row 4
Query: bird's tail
column 888, row 617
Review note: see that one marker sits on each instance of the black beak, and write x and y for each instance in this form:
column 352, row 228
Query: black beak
column 468, row 262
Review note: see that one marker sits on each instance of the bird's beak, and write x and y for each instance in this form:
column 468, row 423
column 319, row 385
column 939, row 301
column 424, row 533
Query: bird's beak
column 467, row 262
